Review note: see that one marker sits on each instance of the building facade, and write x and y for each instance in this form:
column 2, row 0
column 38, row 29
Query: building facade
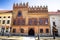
column 55, row 20
column 30, row 20
column 5, row 21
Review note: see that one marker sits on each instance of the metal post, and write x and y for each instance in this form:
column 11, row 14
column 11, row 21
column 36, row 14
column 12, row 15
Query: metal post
column 38, row 31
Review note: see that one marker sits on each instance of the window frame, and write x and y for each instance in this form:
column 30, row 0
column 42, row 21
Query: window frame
column 4, row 17
column 8, row 16
column 47, row 30
column 46, row 20
column 8, row 21
column 0, row 17
column 21, row 22
column 14, row 30
column 22, row 30
column 41, row 31
column 41, row 21
column 3, row 22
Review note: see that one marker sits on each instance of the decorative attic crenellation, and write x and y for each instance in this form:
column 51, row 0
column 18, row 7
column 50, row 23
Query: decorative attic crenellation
column 31, row 9
column 20, row 5
column 38, row 9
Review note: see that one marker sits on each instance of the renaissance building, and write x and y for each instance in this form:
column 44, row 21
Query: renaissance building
column 30, row 20
column 5, row 20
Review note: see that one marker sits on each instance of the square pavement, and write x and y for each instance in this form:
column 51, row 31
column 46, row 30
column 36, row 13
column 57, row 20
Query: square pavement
column 28, row 38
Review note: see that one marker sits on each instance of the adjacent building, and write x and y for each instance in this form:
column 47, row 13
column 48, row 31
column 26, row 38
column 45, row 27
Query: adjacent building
column 5, row 20
column 55, row 20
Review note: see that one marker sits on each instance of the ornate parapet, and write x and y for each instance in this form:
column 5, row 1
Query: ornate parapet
column 38, row 9
column 21, row 5
column 35, row 9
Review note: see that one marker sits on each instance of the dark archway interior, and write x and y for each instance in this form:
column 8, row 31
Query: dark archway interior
column 31, row 32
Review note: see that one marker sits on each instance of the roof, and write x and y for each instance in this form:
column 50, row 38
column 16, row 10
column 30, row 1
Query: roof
column 5, row 11
column 53, row 13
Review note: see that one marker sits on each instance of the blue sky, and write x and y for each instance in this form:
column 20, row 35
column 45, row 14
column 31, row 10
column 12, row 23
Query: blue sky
column 53, row 5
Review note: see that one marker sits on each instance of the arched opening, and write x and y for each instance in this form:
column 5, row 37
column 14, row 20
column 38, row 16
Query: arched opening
column 31, row 32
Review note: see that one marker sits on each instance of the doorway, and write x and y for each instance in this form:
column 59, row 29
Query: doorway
column 31, row 32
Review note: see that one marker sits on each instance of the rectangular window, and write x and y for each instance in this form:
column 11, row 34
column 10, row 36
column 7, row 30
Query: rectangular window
column 46, row 21
column 21, row 22
column 14, row 22
column 47, row 30
column 30, row 22
column 14, row 30
column 41, row 30
column 22, row 30
column 0, row 17
column 3, row 21
column 35, row 21
column 8, row 21
column 18, row 22
column 41, row 21
column 8, row 16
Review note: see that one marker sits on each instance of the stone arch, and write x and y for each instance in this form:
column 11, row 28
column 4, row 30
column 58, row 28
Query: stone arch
column 31, row 32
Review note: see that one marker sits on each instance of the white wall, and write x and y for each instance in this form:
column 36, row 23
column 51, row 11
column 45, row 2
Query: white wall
column 56, row 19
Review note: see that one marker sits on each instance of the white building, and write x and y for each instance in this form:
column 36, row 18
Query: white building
column 55, row 19
column 5, row 20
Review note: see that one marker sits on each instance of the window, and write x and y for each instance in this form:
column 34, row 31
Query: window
column 14, row 30
column 47, row 30
column 40, row 21
column 19, row 14
column 0, row 17
column 43, row 21
column 8, row 21
column 4, row 17
column 14, row 22
column 18, row 22
column 21, row 22
column 30, row 22
column 8, row 16
column 46, row 21
column 3, row 21
column 35, row 21
column 41, row 30
column 22, row 30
